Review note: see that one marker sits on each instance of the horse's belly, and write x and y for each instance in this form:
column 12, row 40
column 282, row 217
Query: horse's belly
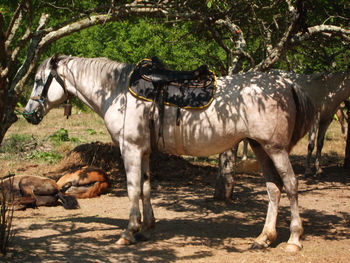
column 201, row 136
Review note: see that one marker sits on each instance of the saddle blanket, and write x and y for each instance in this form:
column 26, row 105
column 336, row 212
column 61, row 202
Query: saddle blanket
column 184, row 89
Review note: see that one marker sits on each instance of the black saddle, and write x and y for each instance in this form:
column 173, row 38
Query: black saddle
column 160, row 74
column 184, row 89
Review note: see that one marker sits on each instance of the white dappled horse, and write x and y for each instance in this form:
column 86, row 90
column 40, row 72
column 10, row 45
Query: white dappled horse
column 267, row 110
column 327, row 91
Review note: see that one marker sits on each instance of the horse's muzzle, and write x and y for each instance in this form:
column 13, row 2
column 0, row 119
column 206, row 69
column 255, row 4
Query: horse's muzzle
column 34, row 117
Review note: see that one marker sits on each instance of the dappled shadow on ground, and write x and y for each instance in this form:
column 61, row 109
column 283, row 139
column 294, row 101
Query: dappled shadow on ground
column 182, row 192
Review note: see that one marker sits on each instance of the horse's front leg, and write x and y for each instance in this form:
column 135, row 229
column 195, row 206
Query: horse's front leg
column 148, row 216
column 132, row 163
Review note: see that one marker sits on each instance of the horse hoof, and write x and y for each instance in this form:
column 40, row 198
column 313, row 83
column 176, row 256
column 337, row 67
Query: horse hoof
column 256, row 246
column 123, row 242
column 292, row 248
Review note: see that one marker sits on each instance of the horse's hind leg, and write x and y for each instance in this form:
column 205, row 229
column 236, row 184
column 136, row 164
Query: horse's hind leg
column 27, row 195
column 148, row 216
column 274, row 187
column 284, row 168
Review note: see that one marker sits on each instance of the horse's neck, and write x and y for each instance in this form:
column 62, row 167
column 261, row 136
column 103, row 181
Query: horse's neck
column 95, row 84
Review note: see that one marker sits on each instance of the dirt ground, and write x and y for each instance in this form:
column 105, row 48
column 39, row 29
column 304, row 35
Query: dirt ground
column 191, row 226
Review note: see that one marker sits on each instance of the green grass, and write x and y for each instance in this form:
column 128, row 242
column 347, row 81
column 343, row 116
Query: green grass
column 50, row 157
column 61, row 135
column 49, row 141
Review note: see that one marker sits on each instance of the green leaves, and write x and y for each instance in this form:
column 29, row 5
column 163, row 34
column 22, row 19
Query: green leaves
column 177, row 44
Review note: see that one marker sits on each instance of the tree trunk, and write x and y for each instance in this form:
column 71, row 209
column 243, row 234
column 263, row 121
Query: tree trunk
column 8, row 116
column 347, row 148
column 225, row 180
column 3, row 99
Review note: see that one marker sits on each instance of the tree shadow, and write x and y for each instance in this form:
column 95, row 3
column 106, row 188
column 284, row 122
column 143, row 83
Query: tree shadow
column 201, row 221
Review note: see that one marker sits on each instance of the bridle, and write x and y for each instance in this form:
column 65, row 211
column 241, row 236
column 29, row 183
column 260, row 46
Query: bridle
column 43, row 96
column 53, row 74
column 35, row 116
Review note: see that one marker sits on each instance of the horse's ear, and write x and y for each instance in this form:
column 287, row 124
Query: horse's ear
column 54, row 61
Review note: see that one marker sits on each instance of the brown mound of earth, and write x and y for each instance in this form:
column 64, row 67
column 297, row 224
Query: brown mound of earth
column 103, row 155
column 107, row 157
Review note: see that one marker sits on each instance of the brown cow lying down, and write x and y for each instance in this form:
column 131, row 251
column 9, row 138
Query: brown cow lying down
column 34, row 191
column 85, row 182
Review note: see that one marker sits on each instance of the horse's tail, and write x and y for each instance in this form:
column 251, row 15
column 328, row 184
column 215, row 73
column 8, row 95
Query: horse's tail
column 305, row 114
column 68, row 202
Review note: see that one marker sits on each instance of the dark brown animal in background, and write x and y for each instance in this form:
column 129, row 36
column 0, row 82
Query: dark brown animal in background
column 34, row 191
column 85, row 182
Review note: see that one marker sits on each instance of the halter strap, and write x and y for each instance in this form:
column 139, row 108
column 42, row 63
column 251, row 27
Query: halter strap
column 53, row 74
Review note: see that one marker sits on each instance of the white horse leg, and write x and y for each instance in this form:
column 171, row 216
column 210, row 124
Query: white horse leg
column 148, row 216
column 320, row 140
column 284, row 168
column 274, row 187
column 311, row 145
column 132, row 164
column 245, row 150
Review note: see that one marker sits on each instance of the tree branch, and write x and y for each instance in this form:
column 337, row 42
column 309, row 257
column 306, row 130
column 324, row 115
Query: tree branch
column 42, row 37
column 238, row 41
column 11, row 30
column 280, row 48
column 321, row 29
column 25, row 38
column 51, row 35
column 32, row 58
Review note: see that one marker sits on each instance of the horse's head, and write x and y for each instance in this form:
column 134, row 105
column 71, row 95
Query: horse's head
column 49, row 91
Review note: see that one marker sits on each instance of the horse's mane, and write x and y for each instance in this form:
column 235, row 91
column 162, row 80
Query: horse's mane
column 98, row 67
column 101, row 64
